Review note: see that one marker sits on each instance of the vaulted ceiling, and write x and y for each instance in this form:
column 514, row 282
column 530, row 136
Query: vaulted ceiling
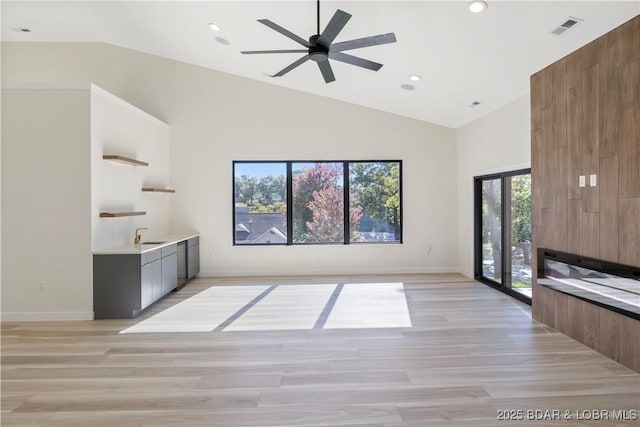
column 462, row 57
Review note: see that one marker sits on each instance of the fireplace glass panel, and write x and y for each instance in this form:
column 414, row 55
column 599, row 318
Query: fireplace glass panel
column 605, row 289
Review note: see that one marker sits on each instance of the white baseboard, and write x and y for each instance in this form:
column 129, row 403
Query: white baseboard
column 46, row 316
column 467, row 273
column 326, row 272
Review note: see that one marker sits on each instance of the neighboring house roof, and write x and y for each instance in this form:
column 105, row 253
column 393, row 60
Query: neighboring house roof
column 261, row 223
column 273, row 235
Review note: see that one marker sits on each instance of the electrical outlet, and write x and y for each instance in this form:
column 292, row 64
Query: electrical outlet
column 593, row 180
column 427, row 248
column 41, row 287
column 582, row 181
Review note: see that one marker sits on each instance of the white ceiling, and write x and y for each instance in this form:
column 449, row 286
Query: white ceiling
column 462, row 57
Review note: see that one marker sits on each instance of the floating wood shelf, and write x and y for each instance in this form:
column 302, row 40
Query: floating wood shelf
column 125, row 160
column 158, row 190
column 119, row 214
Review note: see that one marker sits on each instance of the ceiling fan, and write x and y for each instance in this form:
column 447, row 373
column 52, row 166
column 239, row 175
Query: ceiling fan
column 320, row 47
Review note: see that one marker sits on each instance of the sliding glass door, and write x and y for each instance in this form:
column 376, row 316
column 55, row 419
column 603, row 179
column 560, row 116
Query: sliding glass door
column 492, row 229
column 519, row 233
column 503, row 232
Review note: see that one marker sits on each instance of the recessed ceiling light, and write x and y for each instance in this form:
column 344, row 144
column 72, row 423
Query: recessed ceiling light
column 21, row 30
column 477, row 6
column 474, row 104
column 414, row 77
column 214, row 27
column 407, row 87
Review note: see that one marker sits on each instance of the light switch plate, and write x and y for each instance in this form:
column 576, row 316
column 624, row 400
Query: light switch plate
column 593, row 181
column 582, row 181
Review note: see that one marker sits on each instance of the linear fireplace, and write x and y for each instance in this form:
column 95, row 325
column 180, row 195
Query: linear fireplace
column 609, row 285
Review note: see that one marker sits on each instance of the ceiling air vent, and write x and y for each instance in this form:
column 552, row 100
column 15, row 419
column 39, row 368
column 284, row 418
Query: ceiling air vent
column 567, row 24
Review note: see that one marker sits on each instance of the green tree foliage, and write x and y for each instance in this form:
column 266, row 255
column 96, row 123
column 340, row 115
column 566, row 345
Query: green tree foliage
column 521, row 208
column 246, row 188
column 376, row 187
column 264, row 195
column 391, row 184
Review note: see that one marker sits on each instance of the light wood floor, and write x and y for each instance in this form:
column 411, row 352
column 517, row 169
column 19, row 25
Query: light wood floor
column 470, row 353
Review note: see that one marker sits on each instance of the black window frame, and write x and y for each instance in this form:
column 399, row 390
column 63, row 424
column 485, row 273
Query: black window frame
column 289, row 203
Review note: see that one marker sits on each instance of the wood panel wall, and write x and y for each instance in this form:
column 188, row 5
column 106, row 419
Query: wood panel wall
column 585, row 119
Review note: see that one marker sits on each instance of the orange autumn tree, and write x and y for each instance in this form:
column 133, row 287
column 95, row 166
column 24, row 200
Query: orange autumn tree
column 318, row 205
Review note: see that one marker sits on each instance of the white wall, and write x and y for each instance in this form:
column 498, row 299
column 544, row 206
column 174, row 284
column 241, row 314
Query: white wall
column 234, row 119
column 497, row 142
column 46, row 205
column 0, row 165
column 216, row 118
column 122, row 129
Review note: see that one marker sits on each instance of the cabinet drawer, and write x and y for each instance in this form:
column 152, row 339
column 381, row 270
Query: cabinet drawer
column 148, row 257
column 168, row 250
column 193, row 241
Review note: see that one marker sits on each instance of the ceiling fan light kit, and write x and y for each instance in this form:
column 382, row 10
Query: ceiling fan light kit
column 320, row 47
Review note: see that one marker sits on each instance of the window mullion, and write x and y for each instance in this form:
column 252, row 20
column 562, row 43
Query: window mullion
column 346, row 194
column 289, row 204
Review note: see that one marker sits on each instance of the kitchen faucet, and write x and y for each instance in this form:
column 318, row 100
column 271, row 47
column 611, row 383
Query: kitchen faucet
column 136, row 240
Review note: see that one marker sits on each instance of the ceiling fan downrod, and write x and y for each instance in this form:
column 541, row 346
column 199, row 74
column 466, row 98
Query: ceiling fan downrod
column 318, row 15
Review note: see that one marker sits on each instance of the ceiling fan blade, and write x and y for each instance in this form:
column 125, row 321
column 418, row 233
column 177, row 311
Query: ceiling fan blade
column 246, row 52
column 288, row 68
column 337, row 23
column 363, row 42
column 354, row 60
column 284, row 32
column 327, row 72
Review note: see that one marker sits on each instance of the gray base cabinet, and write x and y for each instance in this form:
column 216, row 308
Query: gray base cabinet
column 151, row 283
column 169, row 273
column 169, row 269
column 146, row 285
column 117, row 292
column 126, row 284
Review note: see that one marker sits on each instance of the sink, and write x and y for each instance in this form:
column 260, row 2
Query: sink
column 152, row 243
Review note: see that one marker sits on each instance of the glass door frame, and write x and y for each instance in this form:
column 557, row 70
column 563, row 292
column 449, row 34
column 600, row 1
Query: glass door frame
column 505, row 286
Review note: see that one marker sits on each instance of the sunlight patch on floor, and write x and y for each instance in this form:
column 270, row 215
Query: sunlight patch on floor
column 287, row 307
column 200, row 313
column 284, row 307
column 370, row 305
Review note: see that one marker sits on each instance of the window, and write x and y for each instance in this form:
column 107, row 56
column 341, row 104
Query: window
column 374, row 199
column 260, row 201
column 301, row 202
column 318, row 202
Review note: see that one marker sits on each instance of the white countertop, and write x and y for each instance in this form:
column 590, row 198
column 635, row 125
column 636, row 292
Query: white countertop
column 166, row 239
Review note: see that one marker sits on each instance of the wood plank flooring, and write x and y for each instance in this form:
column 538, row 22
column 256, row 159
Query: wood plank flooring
column 471, row 351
